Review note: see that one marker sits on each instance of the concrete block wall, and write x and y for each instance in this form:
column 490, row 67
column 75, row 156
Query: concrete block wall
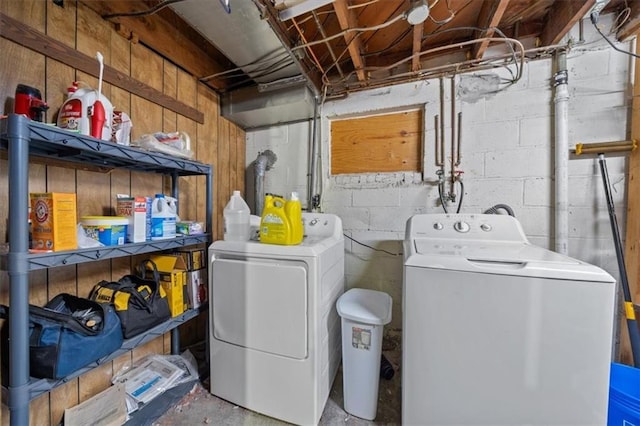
column 507, row 157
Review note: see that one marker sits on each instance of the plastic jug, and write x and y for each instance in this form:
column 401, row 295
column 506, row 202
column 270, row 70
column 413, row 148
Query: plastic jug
column 236, row 219
column 276, row 225
column 293, row 209
column 74, row 112
column 163, row 219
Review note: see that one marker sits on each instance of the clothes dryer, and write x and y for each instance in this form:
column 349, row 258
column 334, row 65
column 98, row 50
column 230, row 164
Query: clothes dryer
column 497, row 331
column 274, row 329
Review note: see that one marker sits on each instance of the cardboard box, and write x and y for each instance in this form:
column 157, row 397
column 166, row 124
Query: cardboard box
column 173, row 278
column 197, row 288
column 136, row 210
column 194, row 258
column 54, row 219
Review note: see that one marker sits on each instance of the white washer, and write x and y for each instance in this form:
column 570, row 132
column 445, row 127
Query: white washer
column 275, row 332
column 497, row 331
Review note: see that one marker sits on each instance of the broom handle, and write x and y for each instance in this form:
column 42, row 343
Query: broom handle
column 634, row 332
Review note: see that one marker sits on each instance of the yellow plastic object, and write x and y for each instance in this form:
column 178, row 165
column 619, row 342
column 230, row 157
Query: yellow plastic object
column 293, row 208
column 275, row 225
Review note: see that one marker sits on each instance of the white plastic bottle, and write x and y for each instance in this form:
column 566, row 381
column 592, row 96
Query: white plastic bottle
column 236, row 219
column 163, row 219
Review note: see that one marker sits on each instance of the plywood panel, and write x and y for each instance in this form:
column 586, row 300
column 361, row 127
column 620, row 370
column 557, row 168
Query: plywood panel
column 382, row 143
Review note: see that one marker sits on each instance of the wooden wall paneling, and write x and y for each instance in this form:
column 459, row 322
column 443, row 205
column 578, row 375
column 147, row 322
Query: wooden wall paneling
column 233, row 158
column 241, row 157
column 95, row 381
column 632, row 229
column 39, row 413
column 206, row 140
column 187, row 93
column 32, row 12
column 169, row 124
column 222, row 173
column 64, row 396
column 147, row 118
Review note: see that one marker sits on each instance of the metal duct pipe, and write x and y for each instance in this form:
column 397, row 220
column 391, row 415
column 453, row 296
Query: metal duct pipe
column 561, row 154
column 263, row 162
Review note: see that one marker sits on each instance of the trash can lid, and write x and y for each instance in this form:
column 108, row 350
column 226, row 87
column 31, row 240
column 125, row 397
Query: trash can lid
column 365, row 306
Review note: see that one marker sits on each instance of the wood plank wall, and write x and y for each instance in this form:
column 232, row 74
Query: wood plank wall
column 216, row 141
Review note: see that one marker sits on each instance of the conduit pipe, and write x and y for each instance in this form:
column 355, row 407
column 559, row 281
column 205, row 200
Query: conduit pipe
column 313, row 201
column 561, row 154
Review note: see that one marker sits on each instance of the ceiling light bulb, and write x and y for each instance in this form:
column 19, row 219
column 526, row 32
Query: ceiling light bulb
column 419, row 12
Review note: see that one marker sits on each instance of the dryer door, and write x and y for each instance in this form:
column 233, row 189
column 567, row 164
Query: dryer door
column 261, row 304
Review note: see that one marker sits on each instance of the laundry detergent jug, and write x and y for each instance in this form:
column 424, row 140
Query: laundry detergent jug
column 163, row 219
column 75, row 113
column 276, row 225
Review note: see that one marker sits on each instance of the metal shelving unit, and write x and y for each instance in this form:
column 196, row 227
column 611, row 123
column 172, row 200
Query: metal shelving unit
column 23, row 138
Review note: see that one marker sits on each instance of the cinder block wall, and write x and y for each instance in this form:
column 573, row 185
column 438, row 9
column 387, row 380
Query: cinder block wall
column 507, row 157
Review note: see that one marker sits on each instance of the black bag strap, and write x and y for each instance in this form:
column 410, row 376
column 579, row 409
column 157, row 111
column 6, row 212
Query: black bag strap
column 65, row 320
column 142, row 268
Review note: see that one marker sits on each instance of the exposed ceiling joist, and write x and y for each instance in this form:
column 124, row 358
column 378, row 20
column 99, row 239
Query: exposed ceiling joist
column 190, row 54
column 561, row 18
column 632, row 26
column 417, row 46
column 347, row 19
column 490, row 16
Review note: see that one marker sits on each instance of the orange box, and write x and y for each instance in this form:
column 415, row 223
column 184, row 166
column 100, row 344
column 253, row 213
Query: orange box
column 53, row 222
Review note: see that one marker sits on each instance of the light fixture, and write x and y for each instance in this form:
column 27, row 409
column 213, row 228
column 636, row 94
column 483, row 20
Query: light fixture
column 302, row 7
column 418, row 13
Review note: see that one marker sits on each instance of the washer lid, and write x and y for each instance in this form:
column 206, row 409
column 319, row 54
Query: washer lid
column 365, row 306
column 503, row 258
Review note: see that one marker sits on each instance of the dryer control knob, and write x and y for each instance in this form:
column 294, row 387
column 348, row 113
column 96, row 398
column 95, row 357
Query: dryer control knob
column 485, row 227
column 438, row 226
column 461, row 226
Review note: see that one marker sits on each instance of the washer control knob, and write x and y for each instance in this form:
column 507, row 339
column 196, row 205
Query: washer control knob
column 438, row 226
column 485, row 227
column 461, row 226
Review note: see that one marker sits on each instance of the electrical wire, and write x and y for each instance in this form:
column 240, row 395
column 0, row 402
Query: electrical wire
column 349, row 30
column 594, row 20
column 147, row 12
column 372, row 248
column 279, row 56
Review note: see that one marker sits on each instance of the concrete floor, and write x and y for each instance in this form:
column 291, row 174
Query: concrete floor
column 200, row 407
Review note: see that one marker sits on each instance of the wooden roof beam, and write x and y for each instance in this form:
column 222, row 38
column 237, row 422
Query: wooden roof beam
column 418, row 30
column 347, row 19
column 489, row 17
column 632, row 26
column 561, row 18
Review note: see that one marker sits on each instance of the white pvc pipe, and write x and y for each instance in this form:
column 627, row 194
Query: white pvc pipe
column 561, row 155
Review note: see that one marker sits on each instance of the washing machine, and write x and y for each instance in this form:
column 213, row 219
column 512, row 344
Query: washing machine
column 275, row 343
column 497, row 331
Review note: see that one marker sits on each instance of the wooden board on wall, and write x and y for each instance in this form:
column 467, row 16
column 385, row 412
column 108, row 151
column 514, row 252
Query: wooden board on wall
column 377, row 144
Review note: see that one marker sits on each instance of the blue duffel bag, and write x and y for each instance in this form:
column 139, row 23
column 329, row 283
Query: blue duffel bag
column 68, row 333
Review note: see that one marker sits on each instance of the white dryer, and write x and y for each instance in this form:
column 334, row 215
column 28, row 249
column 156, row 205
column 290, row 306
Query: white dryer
column 274, row 329
column 497, row 331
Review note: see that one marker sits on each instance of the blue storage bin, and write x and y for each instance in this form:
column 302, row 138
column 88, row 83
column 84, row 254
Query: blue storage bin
column 624, row 396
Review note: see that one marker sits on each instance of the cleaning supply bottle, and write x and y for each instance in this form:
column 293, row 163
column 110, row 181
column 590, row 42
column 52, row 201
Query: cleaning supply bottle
column 163, row 220
column 275, row 227
column 236, row 219
column 74, row 112
column 293, row 209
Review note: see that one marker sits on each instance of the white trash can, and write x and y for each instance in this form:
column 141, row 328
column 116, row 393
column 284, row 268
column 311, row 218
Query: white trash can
column 364, row 314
